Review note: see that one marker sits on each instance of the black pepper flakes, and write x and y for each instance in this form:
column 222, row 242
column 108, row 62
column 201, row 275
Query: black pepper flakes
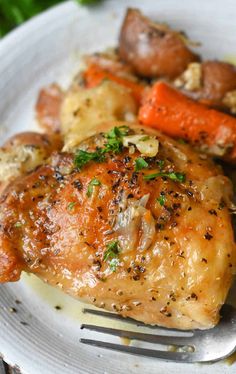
column 115, row 185
column 165, row 312
column 130, row 196
column 221, row 204
column 212, row 212
column 208, row 236
column 189, row 193
column 126, row 159
column 172, row 296
column 78, row 185
column 139, row 269
column 159, row 226
column 176, row 206
column 181, row 254
column 194, row 296
column 58, row 176
column 97, row 264
column 134, row 179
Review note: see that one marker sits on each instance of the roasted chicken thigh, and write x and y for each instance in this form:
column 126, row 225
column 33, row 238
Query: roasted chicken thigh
column 133, row 222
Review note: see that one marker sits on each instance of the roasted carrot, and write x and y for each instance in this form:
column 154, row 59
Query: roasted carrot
column 94, row 75
column 178, row 116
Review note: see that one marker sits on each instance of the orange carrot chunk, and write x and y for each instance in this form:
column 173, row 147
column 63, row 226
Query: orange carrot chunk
column 176, row 115
column 94, row 75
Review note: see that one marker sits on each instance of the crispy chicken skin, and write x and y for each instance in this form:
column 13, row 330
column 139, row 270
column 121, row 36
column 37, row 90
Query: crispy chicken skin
column 153, row 50
column 174, row 263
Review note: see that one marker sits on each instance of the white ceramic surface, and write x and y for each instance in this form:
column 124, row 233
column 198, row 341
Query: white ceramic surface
column 47, row 49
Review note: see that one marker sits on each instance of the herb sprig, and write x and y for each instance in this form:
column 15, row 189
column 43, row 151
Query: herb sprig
column 140, row 164
column 83, row 157
column 71, row 205
column 178, row 177
column 115, row 139
column 111, row 254
column 162, row 199
column 92, row 183
column 113, row 145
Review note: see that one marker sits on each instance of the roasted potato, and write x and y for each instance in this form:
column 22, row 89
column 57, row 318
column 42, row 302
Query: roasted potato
column 48, row 108
column 23, row 153
column 212, row 82
column 83, row 111
column 153, row 50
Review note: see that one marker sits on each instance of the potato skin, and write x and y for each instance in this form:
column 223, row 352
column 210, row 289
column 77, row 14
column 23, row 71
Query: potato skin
column 152, row 50
column 218, row 78
column 34, row 139
column 211, row 82
column 23, row 152
column 48, row 108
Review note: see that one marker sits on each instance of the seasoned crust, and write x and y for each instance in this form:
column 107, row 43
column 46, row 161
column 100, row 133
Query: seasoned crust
column 182, row 274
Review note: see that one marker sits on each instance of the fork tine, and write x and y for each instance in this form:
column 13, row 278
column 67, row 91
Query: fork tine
column 150, row 338
column 118, row 317
column 162, row 355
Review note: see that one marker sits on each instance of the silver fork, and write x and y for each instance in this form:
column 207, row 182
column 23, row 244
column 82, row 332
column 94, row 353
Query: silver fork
column 201, row 346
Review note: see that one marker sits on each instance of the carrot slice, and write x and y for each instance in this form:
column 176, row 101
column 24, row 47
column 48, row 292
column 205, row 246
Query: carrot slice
column 178, row 116
column 94, row 75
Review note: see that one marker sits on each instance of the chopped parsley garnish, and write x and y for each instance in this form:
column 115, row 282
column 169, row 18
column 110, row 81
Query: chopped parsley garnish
column 160, row 163
column 71, row 205
column 140, row 164
column 18, row 224
column 113, row 264
column 111, row 254
column 178, row 177
column 113, row 249
column 92, row 183
column 113, row 144
column 115, row 139
column 118, row 132
column 83, row 157
column 161, row 199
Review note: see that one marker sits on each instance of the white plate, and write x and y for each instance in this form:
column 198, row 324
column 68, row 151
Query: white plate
column 47, row 49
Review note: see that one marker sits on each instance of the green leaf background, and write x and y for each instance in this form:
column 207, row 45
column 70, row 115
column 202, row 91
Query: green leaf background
column 14, row 12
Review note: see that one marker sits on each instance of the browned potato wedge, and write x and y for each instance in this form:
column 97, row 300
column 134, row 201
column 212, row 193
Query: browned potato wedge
column 211, row 82
column 48, row 107
column 23, row 153
column 218, row 78
column 152, row 49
